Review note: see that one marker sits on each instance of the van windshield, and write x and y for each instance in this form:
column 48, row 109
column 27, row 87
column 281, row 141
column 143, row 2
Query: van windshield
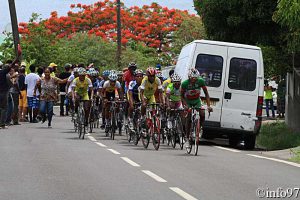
column 210, row 68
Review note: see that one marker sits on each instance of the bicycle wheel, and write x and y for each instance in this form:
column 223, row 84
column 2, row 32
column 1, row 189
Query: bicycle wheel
column 79, row 125
column 145, row 134
column 156, row 133
column 83, row 124
column 128, row 133
column 173, row 137
column 113, row 126
column 197, row 136
column 180, row 132
column 189, row 141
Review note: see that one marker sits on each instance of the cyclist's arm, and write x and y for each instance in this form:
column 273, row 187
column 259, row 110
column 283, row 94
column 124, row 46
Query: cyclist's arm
column 161, row 95
column 204, row 88
column 183, row 98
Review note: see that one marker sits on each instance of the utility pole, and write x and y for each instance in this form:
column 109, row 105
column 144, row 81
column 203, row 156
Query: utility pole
column 14, row 24
column 119, row 33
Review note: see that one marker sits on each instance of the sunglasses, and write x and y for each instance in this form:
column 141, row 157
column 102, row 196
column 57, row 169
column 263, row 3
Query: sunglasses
column 139, row 76
column 151, row 76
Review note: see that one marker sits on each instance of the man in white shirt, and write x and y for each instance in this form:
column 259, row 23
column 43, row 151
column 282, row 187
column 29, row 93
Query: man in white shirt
column 33, row 101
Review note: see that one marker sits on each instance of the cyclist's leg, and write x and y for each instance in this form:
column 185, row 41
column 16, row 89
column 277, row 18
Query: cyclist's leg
column 87, row 107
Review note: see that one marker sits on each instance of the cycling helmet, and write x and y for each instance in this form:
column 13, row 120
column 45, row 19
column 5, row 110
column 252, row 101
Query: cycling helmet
column 175, row 78
column 106, row 73
column 132, row 65
column 113, row 77
column 194, row 73
column 119, row 73
column 93, row 72
column 75, row 70
column 159, row 75
column 81, row 71
column 113, row 71
column 138, row 71
column 151, row 71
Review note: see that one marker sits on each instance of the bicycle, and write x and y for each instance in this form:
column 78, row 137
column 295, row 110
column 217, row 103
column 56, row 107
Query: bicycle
column 81, row 120
column 153, row 126
column 196, row 130
column 134, row 132
column 175, row 128
column 112, row 127
column 120, row 116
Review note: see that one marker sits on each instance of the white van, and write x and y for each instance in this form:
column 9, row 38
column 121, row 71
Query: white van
column 234, row 74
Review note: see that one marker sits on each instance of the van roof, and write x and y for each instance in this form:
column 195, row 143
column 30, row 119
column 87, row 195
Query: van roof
column 225, row 44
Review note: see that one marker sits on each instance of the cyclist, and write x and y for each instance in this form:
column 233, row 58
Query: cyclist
column 157, row 92
column 110, row 89
column 168, row 81
column 173, row 95
column 149, row 85
column 105, row 75
column 133, row 92
column 190, row 95
column 129, row 74
column 81, row 86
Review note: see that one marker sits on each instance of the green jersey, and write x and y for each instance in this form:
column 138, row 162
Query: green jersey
column 192, row 91
column 174, row 93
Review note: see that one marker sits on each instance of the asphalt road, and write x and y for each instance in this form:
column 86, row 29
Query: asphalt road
column 41, row 163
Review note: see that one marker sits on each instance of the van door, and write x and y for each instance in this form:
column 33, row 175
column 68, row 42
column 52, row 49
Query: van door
column 210, row 61
column 241, row 89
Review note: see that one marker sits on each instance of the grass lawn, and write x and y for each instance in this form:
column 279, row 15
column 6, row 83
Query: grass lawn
column 277, row 136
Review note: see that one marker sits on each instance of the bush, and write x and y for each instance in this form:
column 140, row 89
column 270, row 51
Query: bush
column 276, row 136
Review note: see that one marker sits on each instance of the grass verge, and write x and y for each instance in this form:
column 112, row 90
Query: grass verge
column 296, row 158
column 277, row 136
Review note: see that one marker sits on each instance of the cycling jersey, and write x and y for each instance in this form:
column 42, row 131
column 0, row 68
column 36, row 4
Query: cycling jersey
column 150, row 88
column 82, row 87
column 191, row 92
column 128, row 77
column 134, row 88
column 111, row 91
column 165, row 84
column 174, row 93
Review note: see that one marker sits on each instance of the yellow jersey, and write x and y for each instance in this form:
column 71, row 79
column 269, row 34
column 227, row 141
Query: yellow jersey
column 150, row 88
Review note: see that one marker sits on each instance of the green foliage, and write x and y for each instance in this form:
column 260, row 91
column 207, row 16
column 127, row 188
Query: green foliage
column 275, row 136
column 7, row 48
column 287, row 14
column 190, row 29
column 276, row 61
column 241, row 21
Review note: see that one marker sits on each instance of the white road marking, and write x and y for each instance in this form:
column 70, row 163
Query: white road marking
column 113, row 151
column 100, row 144
column 92, row 138
column 227, row 149
column 182, row 193
column 276, row 160
column 154, row 176
column 134, row 164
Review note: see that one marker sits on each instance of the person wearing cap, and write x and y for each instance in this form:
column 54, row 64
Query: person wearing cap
column 53, row 67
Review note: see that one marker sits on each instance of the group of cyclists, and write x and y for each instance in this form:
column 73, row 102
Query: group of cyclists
column 132, row 87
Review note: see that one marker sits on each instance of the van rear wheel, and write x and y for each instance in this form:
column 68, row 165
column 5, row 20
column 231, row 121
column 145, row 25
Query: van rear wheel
column 250, row 142
column 233, row 141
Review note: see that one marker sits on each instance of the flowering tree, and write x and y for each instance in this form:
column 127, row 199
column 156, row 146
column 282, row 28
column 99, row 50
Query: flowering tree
column 152, row 25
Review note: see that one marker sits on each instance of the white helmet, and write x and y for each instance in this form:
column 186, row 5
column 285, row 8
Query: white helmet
column 175, row 78
column 113, row 77
column 194, row 73
column 81, row 71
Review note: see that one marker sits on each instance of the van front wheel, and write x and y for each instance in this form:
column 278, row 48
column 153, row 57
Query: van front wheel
column 250, row 142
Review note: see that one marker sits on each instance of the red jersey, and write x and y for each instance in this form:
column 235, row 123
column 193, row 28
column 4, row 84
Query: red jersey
column 127, row 77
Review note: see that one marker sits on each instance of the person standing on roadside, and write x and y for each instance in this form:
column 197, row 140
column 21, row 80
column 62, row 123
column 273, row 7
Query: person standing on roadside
column 281, row 90
column 4, row 88
column 23, row 95
column 14, row 92
column 269, row 99
column 33, row 101
column 62, row 90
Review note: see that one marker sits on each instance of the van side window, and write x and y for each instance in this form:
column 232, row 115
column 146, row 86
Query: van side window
column 210, row 68
column 242, row 74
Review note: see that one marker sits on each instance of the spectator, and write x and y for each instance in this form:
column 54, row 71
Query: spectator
column 52, row 68
column 33, row 101
column 48, row 87
column 62, row 90
column 23, row 95
column 269, row 99
column 40, row 71
column 14, row 99
column 281, row 90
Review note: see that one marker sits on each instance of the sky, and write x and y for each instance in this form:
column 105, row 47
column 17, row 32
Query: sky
column 44, row 7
